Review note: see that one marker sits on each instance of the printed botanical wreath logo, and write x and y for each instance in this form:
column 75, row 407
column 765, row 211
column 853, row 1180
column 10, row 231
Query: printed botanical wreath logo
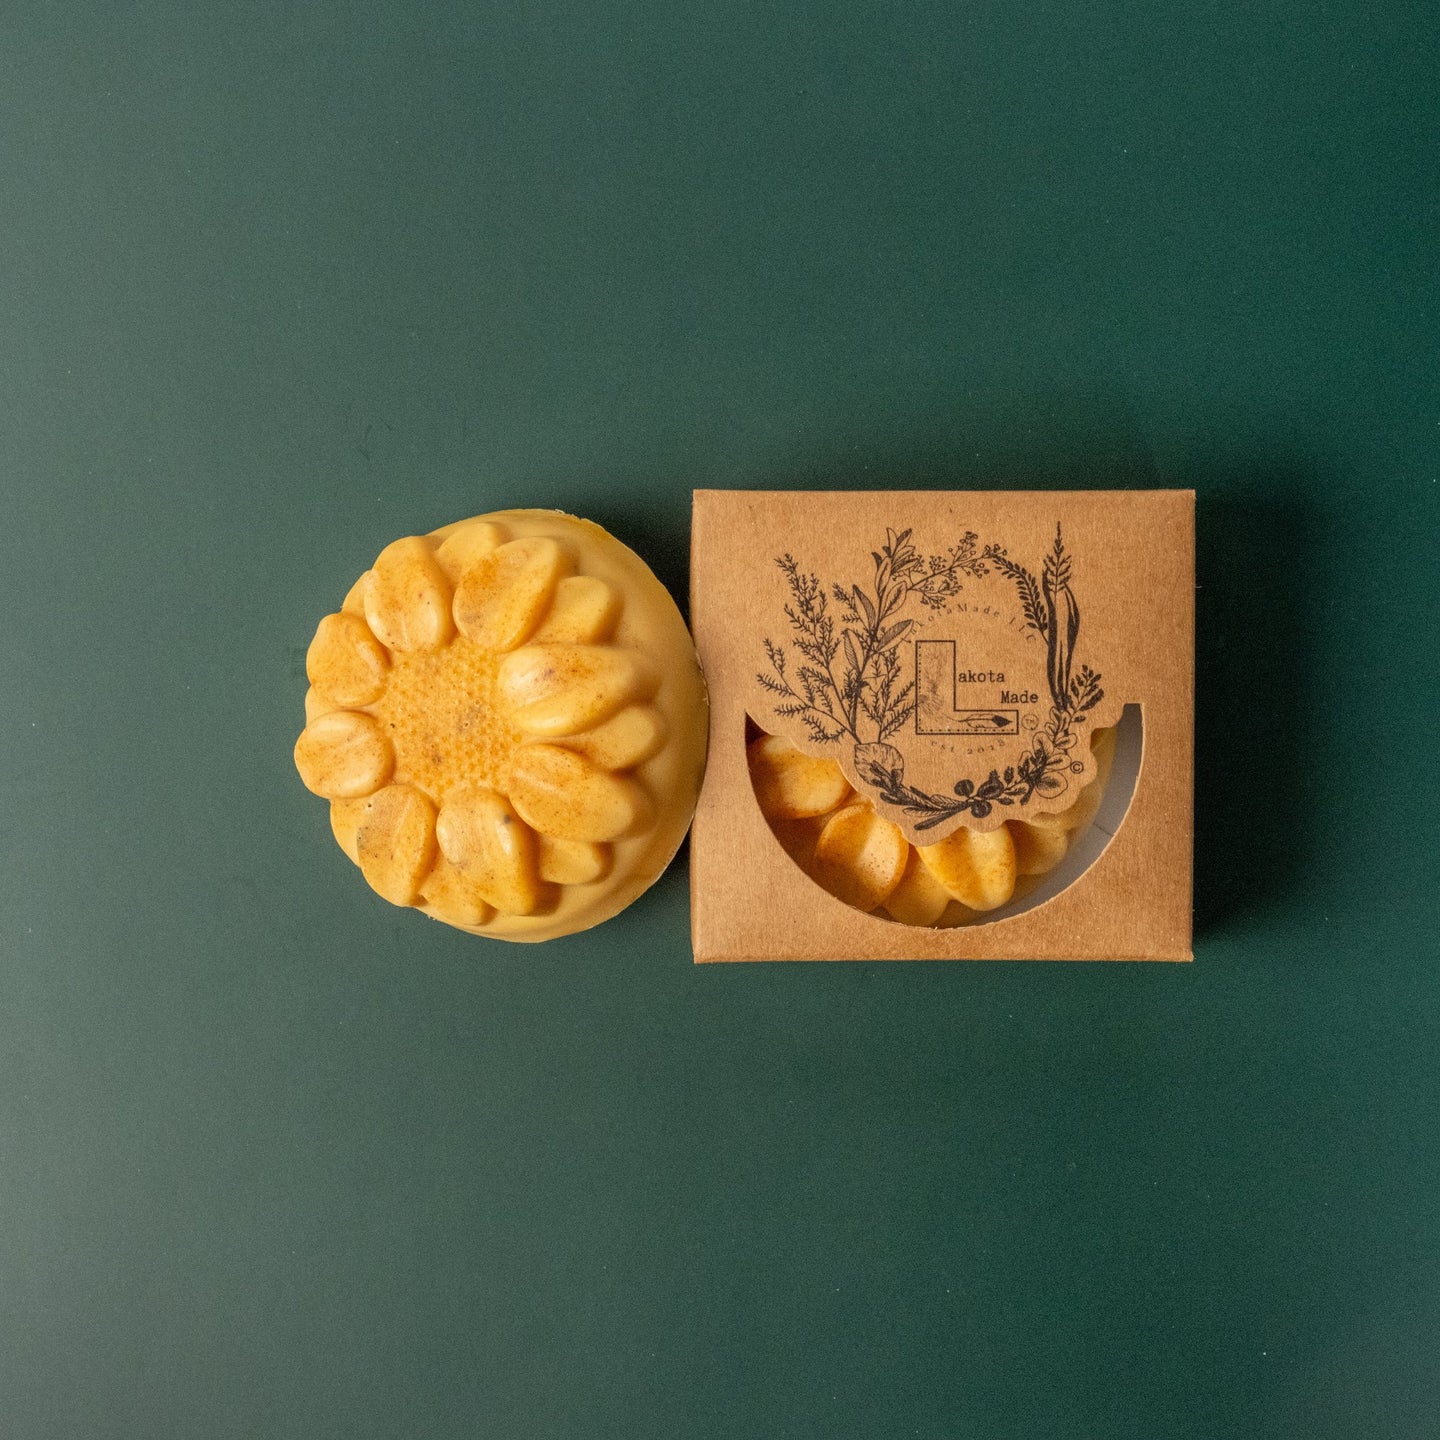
column 847, row 680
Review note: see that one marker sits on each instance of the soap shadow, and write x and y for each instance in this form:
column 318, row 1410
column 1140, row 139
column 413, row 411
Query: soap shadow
column 658, row 533
column 1255, row 833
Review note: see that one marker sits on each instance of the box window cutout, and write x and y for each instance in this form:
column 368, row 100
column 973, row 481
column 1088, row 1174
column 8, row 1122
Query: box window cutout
column 966, row 878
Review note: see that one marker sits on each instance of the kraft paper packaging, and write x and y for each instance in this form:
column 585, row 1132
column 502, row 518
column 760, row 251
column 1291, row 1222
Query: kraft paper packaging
column 955, row 654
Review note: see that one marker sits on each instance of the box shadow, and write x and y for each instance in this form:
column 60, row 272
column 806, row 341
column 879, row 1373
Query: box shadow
column 1255, row 644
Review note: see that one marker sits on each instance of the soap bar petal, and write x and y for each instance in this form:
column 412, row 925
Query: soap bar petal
column 553, row 690
column 860, row 857
column 791, row 785
column 565, row 795
column 573, row 862
column 345, row 661
column 585, row 611
column 343, row 754
column 483, row 838
column 624, row 740
column 407, row 599
column 978, row 869
column 466, row 544
column 396, row 842
column 1038, row 849
column 919, row 898
column 502, row 598
column 453, row 898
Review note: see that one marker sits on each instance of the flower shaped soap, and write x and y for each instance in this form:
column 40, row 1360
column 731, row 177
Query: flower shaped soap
column 508, row 720
column 840, row 841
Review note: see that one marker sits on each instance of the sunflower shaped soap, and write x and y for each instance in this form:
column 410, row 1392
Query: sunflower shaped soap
column 849, row 849
column 508, row 720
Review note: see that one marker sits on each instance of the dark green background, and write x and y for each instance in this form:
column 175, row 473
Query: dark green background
column 279, row 283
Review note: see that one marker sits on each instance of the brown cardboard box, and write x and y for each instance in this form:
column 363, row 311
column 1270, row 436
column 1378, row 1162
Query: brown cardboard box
column 952, row 651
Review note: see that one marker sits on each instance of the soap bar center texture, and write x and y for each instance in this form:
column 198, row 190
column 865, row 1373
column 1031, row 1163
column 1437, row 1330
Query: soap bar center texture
column 440, row 713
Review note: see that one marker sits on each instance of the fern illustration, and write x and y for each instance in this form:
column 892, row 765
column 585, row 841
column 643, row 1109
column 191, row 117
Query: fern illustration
column 847, row 681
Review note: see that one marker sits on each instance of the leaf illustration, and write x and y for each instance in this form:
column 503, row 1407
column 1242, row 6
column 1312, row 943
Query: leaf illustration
column 1032, row 603
column 894, row 633
column 879, row 765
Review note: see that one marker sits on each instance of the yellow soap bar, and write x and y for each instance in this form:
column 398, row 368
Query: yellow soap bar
column 1038, row 850
column 864, row 860
column 919, row 898
column 792, row 785
column 508, row 718
column 976, row 867
column 860, row 857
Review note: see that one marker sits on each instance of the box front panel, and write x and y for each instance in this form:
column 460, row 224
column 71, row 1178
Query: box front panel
column 963, row 660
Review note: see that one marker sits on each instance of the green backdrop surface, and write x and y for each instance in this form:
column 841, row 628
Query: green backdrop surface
column 280, row 282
